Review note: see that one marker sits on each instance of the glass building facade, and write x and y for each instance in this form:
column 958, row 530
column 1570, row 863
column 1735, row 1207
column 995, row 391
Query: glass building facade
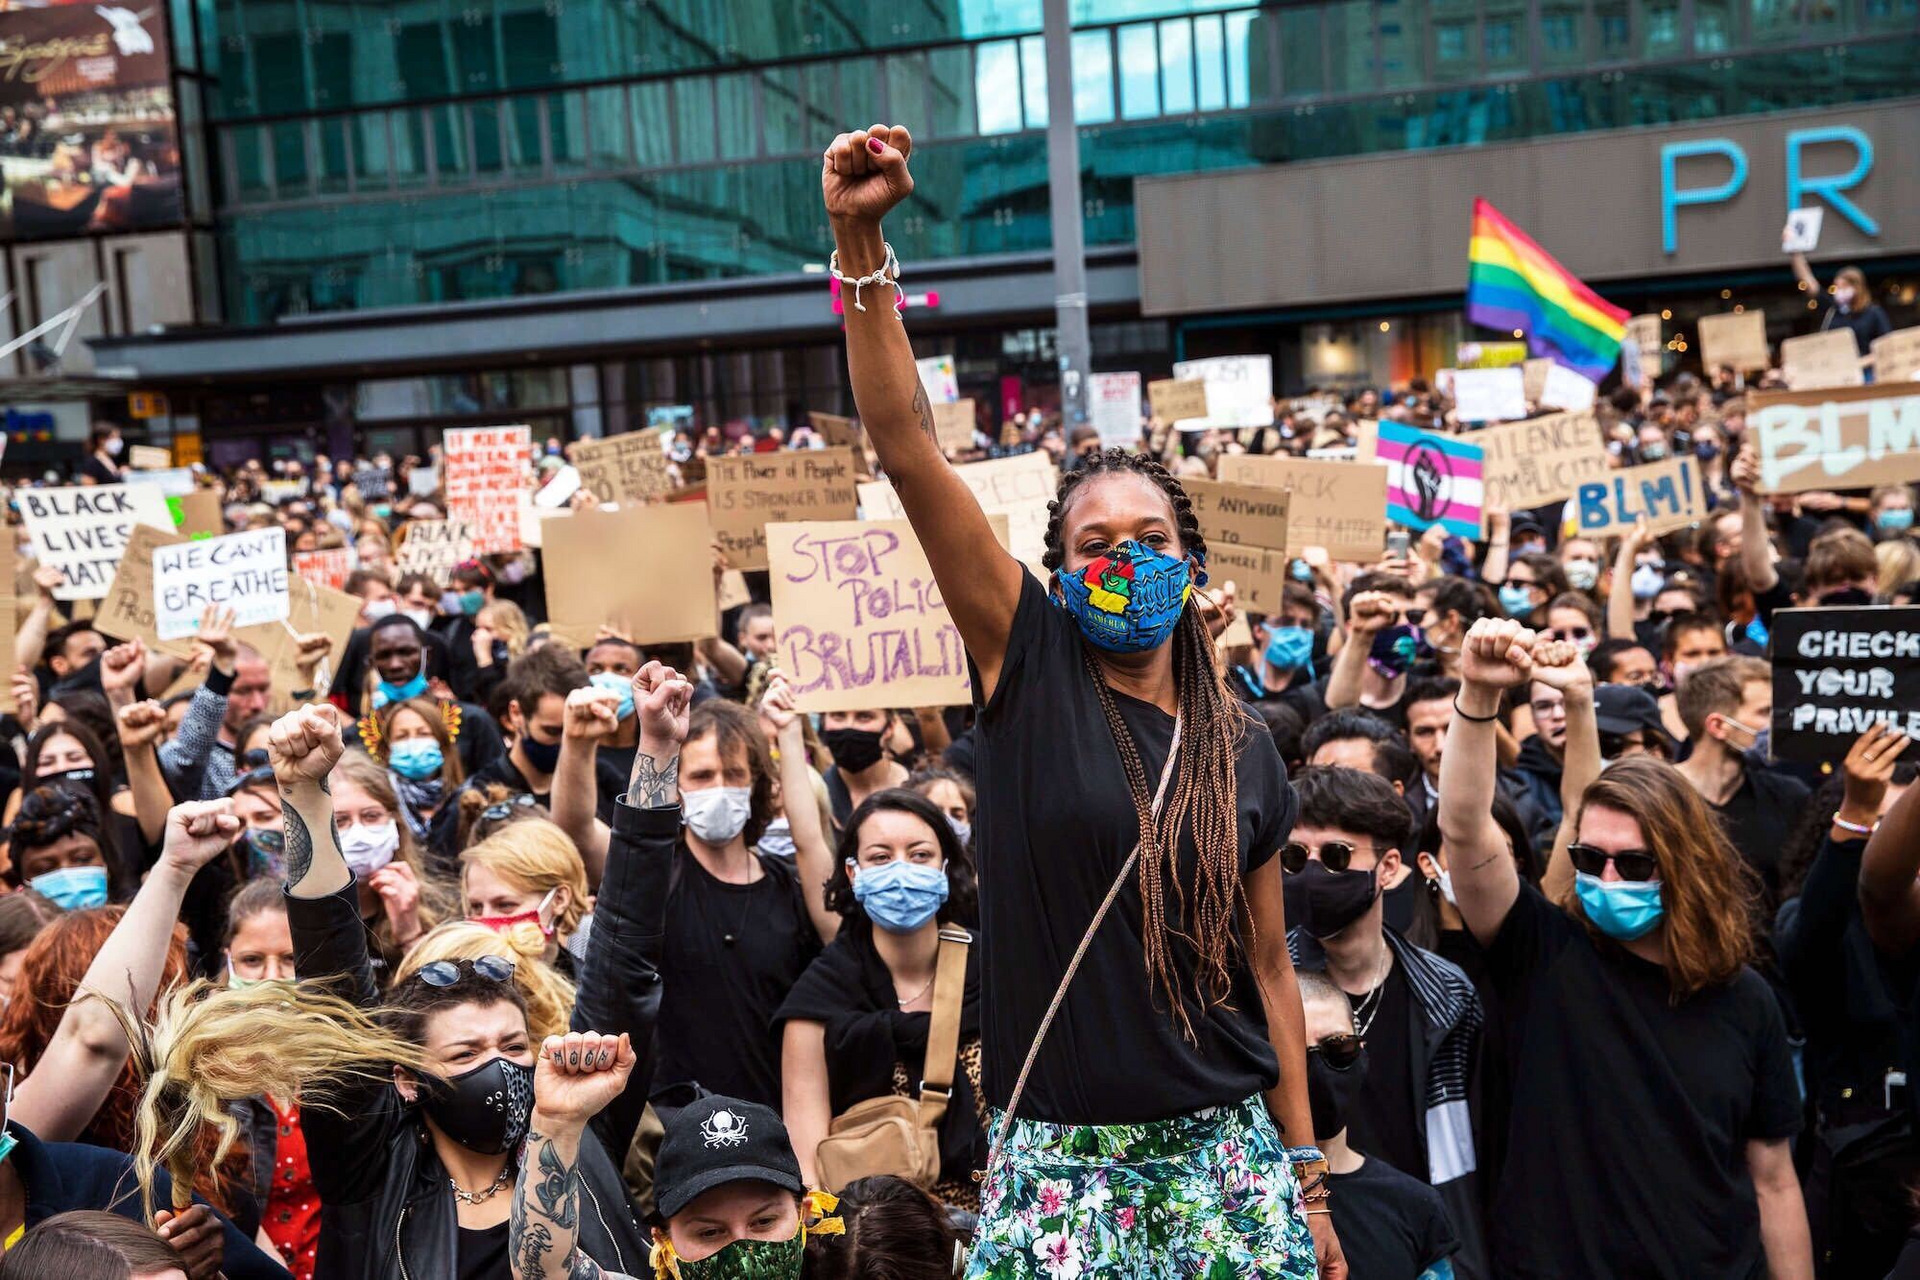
column 367, row 155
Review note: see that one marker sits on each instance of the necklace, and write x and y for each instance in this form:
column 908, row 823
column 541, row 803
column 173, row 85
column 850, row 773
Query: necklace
column 481, row 1197
column 916, row 995
column 1369, row 1007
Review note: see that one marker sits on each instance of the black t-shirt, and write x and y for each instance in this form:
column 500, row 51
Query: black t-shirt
column 1757, row 817
column 1868, row 323
column 482, row 1254
column 1052, row 828
column 1391, row 1226
column 849, row 990
column 1631, row 1114
column 1388, row 1122
column 719, row 997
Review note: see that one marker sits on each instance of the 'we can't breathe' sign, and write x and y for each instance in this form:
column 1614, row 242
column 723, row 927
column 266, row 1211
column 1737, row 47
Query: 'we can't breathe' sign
column 245, row 572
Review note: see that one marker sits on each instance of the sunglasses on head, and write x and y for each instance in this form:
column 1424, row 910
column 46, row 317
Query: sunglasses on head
column 1632, row 864
column 501, row 810
column 444, row 973
column 1335, row 855
column 1339, row 1052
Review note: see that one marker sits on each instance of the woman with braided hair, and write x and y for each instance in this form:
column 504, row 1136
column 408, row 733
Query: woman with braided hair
column 1144, row 1107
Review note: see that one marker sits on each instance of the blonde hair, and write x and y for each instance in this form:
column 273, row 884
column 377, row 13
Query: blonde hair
column 504, row 619
column 210, row 1046
column 534, row 855
column 548, row 994
column 1899, row 561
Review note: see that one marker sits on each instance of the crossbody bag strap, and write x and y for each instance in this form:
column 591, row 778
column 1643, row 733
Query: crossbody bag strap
column 943, row 1033
column 1079, row 954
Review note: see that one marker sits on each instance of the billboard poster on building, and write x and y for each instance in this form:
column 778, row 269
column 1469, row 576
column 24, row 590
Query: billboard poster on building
column 87, row 136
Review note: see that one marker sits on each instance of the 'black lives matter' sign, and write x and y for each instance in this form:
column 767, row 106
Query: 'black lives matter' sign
column 1838, row 672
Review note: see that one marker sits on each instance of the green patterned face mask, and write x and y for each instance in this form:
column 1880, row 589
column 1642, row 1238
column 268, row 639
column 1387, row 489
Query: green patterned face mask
column 748, row 1260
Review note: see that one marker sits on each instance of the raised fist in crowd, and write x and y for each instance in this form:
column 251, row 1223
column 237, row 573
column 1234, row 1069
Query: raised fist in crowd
column 865, row 173
column 304, row 745
column 1498, row 654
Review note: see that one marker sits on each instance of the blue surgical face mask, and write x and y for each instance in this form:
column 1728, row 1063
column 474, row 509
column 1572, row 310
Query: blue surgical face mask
column 1621, row 909
column 900, row 896
column 1129, row 599
column 72, row 888
column 1516, row 601
column 1290, row 649
column 1895, row 519
column 416, row 759
column 413, row 688
column 614, row 682
column 1647, row 580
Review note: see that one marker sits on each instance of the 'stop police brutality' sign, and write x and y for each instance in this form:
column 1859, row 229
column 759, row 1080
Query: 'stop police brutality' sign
column 1838, row 672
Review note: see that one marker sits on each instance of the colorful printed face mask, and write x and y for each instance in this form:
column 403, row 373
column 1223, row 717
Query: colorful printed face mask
column 753, row 1259
column 1129, row 599
column 1394, row 649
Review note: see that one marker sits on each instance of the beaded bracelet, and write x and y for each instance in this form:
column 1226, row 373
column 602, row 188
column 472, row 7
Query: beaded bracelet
column 1304, row 1154
column 879, row 275
column 1854, row 827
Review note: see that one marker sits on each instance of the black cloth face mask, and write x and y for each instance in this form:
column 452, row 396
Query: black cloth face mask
column 1331, row 1092
column 853, row 749
column 1324, row 902
column 485, row 1110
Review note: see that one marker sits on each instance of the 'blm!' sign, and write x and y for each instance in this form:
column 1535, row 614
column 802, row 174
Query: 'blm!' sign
column 1838, row 672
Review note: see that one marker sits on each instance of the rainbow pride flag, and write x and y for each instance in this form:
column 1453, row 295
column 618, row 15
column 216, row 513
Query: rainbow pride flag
column 1512, row 283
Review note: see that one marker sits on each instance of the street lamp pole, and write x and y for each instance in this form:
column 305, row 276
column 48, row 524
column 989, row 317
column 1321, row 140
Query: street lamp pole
column 1073, row 341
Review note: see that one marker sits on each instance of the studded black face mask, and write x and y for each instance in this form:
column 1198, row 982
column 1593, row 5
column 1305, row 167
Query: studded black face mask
column 485, row 1110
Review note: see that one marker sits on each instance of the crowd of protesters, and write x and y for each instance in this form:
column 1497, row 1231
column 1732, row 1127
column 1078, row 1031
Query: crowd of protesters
column 1452, row 920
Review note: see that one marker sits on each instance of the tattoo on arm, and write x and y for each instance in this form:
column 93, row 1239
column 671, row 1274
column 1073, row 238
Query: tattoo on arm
column 923, row 410
column 655, row 785
column 299, row 846
column 545, row 1218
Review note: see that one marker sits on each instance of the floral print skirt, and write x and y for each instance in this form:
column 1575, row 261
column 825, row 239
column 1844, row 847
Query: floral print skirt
column 1207, row 1195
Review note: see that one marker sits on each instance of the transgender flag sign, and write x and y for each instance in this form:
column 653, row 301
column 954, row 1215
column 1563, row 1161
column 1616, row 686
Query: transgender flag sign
column 1431, row 479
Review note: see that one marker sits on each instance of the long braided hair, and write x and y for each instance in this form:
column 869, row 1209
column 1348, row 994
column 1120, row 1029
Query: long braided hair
column 1203, row 796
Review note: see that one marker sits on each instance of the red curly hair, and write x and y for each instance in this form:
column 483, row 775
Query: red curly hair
column 50, row 973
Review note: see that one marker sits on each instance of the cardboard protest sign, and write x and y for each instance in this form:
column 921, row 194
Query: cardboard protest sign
column 433, row 547
column 1019, row 488
column 1566, row 389
column 559, row 491
column 1341, row 506
column 1668, row 494
column 643, row 572
column 861, row 620
column 1816, row 360
column 1431, row 479
column 1802, row 232
column 1258, row 574
column 1178, row 399
column 533, row 518
column 1839, row 438
column 314, row 610
column 1542, row 460
column 327, row 568
column 1489, row 395
column 1239, row 388
column 374, row 484
column 423, row 480
column 629, row 467
column 1533, row 379
column 486, row 467
column 732, row 591
column 1896, row 356
column 953, row 425
column 147, row 457
column 200, row 515
column 174, row 482
column 83, row 529
column 1113, row 408
column 126, row 611
column 744, row 494
column 245, row 572
column 1735, row 338
column 835, row 429
column 1242, row 513
column 1838, row 672
column 937, row 376
column 1644, row 331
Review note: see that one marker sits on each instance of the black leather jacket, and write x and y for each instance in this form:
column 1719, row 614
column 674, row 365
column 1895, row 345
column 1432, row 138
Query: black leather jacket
column 387, row 1212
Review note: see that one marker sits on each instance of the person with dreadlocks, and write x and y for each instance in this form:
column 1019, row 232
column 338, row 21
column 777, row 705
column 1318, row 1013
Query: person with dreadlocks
column 1161, row 1090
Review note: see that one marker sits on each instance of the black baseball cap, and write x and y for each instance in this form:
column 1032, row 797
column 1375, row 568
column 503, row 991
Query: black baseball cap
column 1623, row 708
column 716, row 1140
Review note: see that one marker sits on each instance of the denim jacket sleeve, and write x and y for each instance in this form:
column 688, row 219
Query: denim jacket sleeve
column 620, row 987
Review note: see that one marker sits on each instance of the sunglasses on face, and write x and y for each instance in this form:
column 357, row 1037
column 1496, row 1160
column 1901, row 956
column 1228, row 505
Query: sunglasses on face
column 444, row 973
column 1414, row 617
column 1335, row 855
column 1339, row 1052
column 1632, row 864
